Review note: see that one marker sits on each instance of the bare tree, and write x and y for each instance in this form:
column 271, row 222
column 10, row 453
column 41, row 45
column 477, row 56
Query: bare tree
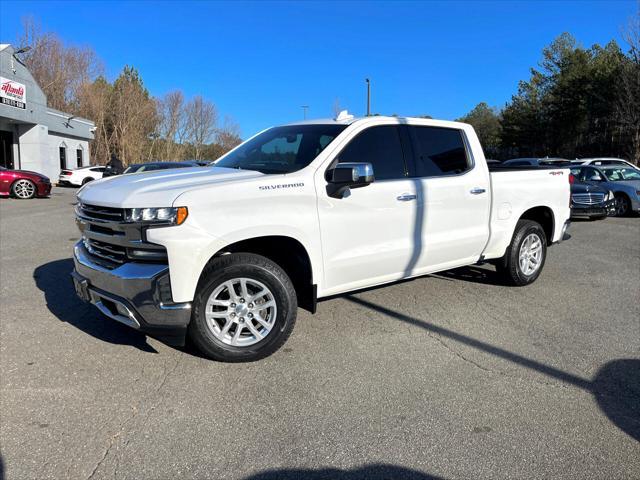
column 228, row 136
column 94, row 101
column 201, row 122
column 171, row 121
column 60, row 70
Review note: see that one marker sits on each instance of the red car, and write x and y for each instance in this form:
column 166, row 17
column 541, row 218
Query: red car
column 23, row 184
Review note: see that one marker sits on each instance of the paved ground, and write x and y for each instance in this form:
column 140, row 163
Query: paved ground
column 447, row 376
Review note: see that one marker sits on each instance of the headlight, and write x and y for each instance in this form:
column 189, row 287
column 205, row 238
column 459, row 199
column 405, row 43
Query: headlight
column 163, row 215
column 610, row 195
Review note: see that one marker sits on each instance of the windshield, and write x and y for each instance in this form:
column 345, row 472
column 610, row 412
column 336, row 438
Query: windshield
column 615, row 174
column 282, row 149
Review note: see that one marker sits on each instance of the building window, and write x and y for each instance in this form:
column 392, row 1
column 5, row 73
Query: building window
column 63, row 158
column 79, row 157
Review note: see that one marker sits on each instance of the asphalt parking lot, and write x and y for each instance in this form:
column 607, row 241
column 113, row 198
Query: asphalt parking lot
column 446, row 376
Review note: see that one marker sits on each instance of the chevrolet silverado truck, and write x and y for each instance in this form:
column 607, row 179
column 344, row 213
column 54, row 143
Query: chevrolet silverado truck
column 225, row 254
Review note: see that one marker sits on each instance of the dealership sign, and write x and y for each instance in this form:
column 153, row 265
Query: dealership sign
column 12, row 93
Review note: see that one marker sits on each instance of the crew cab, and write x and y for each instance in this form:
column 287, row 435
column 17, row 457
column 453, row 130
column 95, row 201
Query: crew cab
column 225, row 254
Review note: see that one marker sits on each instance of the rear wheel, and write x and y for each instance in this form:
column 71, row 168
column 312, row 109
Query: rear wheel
column 23, row 189
column 87, row 180
column 525, row 256
column 623, row 205
column 244, row 310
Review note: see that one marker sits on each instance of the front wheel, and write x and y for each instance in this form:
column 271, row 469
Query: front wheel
column 245, row 308
column 623, row 205
column 24, row 189
column 87, row 180
column 525, row 256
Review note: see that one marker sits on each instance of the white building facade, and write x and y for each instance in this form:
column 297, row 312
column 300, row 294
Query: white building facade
column 33, row 136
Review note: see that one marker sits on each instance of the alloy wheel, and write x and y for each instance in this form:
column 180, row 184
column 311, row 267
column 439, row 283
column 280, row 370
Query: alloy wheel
column 24, row 189
column 621, row 206
column 241, row 312
column 530, row 256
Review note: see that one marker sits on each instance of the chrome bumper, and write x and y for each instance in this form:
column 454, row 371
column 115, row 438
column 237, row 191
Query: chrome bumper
column 136, row 294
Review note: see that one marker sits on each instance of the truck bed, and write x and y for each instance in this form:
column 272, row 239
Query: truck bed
column 515, row 190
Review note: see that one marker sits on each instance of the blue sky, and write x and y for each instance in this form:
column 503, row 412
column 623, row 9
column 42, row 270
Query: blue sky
column 259, row 62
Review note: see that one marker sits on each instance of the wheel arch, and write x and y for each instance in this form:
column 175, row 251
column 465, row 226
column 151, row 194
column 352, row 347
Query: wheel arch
column 545, row 217
column 286, row 251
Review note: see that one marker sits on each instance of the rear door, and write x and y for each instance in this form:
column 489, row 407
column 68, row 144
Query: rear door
column 454, row 199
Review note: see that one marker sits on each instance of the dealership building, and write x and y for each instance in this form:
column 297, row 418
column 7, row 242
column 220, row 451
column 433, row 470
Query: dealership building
column 33, row 136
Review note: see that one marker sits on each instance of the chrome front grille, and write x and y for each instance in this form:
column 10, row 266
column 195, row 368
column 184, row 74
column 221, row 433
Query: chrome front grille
column 94, row 212
column 106, row 251
column 588, row 198
column 111, row 241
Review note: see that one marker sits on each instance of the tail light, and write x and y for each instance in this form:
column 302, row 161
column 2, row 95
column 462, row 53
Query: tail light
column 65, row 172
column 572, row 179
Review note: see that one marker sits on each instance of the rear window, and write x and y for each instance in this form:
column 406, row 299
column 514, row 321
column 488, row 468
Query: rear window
column 439, row 151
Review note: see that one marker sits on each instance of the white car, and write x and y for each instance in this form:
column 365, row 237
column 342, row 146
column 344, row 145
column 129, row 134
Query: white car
column 226, row 254
column 80, row 176
column 600, row 162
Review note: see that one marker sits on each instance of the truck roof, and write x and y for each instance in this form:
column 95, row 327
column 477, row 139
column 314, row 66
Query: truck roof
column 348, row 120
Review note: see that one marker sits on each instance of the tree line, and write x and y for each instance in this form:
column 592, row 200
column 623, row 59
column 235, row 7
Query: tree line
column 579, row 103
column 130, row 122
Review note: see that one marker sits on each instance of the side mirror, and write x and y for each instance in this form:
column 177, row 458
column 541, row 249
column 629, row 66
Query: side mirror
column 348, row 175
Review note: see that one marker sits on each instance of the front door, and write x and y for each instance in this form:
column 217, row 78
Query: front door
column 6, row 149
column 369, row 235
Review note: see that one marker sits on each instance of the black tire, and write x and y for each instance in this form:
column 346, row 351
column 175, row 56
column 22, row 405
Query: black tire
column 23, row 189
column 87, row 180
column 509, row 265
column 623, row 205
column 253, row 267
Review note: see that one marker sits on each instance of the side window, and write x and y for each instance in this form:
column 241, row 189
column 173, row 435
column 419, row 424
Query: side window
column 379, row 146
column 592, row 175
column 439, row 151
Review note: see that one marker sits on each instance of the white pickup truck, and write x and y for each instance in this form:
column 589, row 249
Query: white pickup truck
column 226, row 254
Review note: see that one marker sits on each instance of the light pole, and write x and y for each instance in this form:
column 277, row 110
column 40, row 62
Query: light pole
column 304, row 111
column 368, row 97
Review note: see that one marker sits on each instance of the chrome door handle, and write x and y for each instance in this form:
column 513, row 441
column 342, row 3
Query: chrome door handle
column 477, row 191
column 405, row 197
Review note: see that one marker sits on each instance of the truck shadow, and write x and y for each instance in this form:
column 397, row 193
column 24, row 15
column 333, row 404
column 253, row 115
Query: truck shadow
column 54, row 280
column 367, row 472
column 615, row 387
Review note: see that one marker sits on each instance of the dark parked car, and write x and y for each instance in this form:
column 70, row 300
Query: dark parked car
column 149, row 167
column 624, row 182
column 536, row 162
column 591, row 201
column 23, row 184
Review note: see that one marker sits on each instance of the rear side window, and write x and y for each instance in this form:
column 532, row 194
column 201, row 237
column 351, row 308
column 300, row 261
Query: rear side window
column 439, row 151
column 379, row 146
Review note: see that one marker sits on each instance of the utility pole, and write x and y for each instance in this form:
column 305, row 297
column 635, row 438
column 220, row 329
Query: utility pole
column 368, row 97
column 304, row 111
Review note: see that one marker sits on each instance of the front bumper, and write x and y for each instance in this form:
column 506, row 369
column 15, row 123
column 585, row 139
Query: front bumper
column 43, row 189
column 136, row 294
column 602, row 209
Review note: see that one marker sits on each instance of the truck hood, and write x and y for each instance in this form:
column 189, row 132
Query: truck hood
column 156, row 189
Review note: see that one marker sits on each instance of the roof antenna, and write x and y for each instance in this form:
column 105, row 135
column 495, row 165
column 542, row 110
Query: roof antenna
column 368, row 97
